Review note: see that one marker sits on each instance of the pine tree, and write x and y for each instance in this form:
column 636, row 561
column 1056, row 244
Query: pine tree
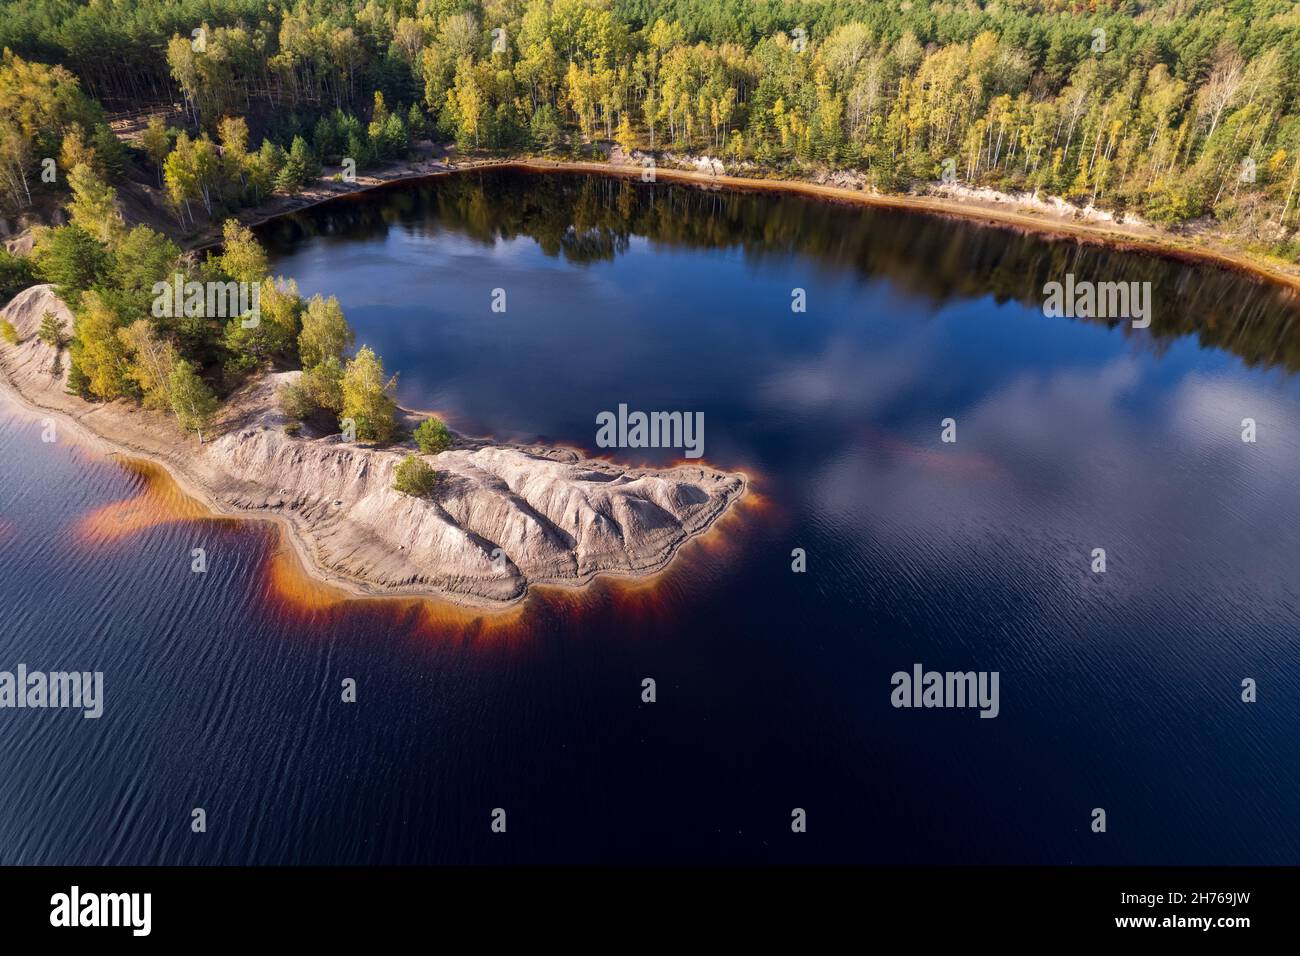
column 414, row 477
column 51, row 331
column 303, row 159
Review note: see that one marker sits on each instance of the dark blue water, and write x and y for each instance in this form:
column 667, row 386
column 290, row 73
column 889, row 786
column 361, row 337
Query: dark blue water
column 1119, row 691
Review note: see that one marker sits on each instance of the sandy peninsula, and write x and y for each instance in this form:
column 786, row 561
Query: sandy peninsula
column 505, row 518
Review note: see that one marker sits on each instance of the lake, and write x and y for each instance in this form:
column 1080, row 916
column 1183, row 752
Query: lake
column 1119, row 690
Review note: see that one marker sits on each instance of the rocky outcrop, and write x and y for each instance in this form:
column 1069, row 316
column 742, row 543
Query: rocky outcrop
column 505, row 517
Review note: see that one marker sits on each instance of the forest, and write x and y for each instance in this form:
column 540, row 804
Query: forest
column 1184, row 113
column 1171, row 109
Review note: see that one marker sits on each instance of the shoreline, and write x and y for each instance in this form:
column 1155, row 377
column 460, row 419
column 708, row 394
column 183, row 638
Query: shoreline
column 1014, row 216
